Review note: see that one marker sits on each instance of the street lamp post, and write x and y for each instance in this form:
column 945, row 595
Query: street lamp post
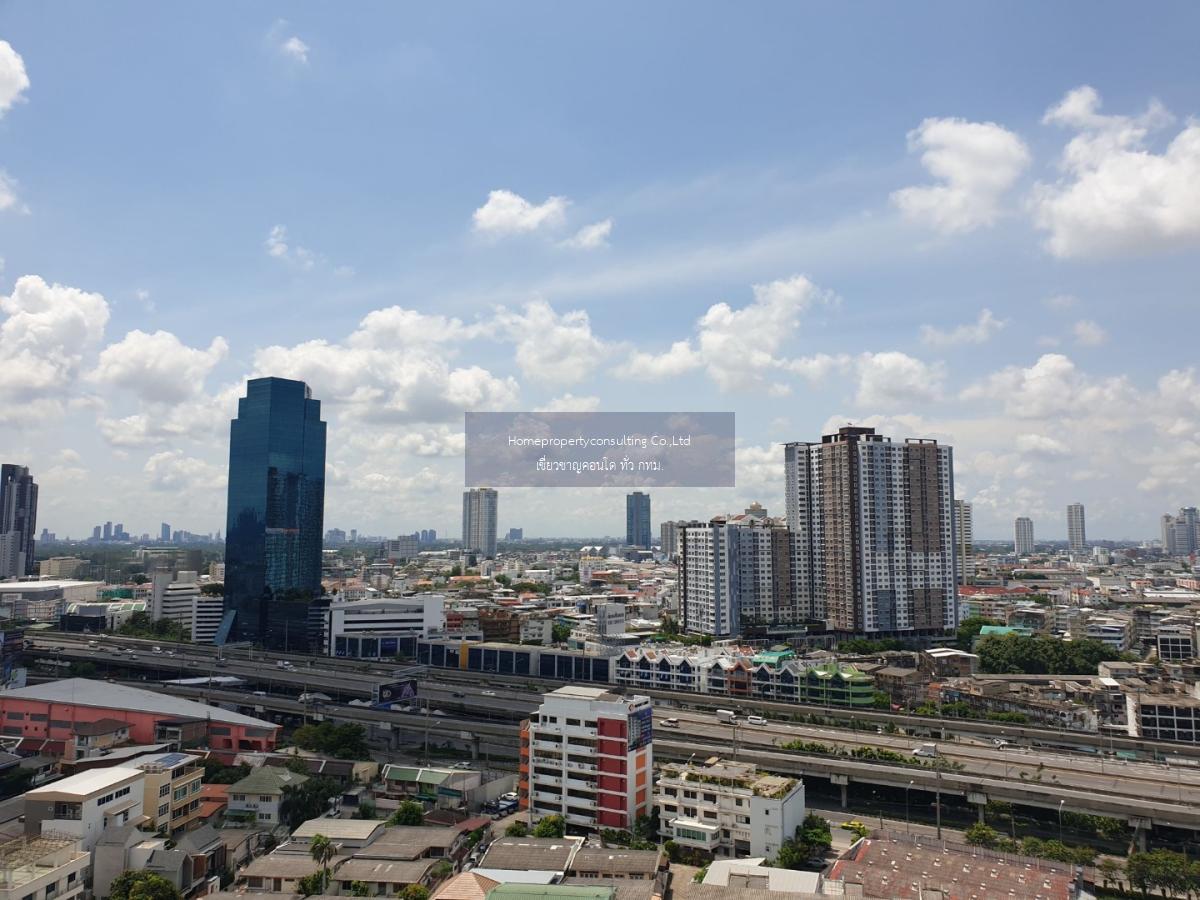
column 1060, row 812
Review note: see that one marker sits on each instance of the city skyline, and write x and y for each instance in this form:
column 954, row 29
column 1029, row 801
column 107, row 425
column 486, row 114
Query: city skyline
column 956, row 264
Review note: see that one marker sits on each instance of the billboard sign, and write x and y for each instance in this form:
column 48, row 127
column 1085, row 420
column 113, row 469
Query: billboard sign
column 396, row 691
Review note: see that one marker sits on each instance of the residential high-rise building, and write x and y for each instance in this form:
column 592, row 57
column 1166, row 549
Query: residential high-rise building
column 738, row 571
column 515, row 534
column 1181, row 533
column 96, row 533
column 18, row 521
column 587, row 755
column 164, row 533
column 1076, row 529
column 108, row 531
column 964, row 538
column 874, row 522
column 637, row 519
column 1023, row 536
column 480, row 507
column 671, row 532
column 275, row 514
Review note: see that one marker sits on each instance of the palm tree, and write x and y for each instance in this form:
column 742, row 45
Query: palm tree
column 322, row 851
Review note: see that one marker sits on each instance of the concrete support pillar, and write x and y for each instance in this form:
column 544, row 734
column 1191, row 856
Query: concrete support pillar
column 979, row 808
column 475, row 741
column 1142, row 835
column 845, row 797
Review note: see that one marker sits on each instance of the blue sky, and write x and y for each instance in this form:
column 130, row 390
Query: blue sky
column 975, row 222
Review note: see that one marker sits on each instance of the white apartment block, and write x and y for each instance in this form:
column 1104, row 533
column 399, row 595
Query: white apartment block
column 359, row 628
column 964, row 542
column 82, row 806
column 587, row 755
column 1023, row 536
column 736, row 571
column 179, row 599
column 1076, row 528
column 728, row 808
column 44, row 868
column 480, row 506
column 875, row 529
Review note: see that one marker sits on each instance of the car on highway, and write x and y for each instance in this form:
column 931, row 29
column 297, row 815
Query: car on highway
column 487, row 693
column 458, row 695
column 156, row 649
column 670, row 723
column 755, row 720
column 438, row 712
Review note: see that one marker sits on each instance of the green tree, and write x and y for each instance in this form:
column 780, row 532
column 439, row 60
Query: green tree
column 359, row 889
column 415, row 892
column 408, row 813
column 1040, row 654
column 517, row 829
column 550, row 827
column 311, row 884
column 969, row 628
column 560, row 634
column 216, row 772
column 322, row 851
column 345, row 741
column 309, row 800
column 1110, row 871
column 980, row 835
column 141, row 884
column 366, row 810
column 444, row 869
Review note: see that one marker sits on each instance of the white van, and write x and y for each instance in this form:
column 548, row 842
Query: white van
column 755, row 720
column 670, row 723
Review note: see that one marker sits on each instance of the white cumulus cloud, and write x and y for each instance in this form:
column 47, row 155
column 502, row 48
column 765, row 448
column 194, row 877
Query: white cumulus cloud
column 1116, row 194
column 737, row 347
column 980, row 332
column 45, row 332
column 508, row 213
column 296, row 49
column 552, row 348
column 1089, row 333
column 277, row 247
column 1041, row 445
column 570, row 403
column 158, row 367
column 591, row 237
column 975, row 164
column 893, row 378
column 14, row 80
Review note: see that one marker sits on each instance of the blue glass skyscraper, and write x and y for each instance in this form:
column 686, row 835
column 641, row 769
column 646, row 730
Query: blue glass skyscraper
column 275, row 515
column 637, row 519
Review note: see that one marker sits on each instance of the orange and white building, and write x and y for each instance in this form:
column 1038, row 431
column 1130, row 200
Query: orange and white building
column 588, row 755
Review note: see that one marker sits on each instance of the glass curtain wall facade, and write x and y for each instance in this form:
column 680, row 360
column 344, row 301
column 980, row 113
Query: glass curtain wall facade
column 274, row 520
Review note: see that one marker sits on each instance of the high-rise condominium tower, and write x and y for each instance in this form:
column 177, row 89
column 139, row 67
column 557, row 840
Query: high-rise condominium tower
column 479, row 521
column 964, row 538
column 18, row 519
column 1076, row 530
column 275, row 515
column 738, row 571
column 874, row 521
column 637, row 519
column 1023, row 536
column 1181, row 533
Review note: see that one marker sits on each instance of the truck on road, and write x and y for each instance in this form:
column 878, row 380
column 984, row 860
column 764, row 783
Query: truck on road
column 927, row 750
column 726, row 715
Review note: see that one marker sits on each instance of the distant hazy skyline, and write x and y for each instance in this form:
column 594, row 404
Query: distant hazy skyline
column 975, row 222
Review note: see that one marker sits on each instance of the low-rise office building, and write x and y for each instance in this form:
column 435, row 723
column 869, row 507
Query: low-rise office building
column 82, row 806
column 42, row 866
column 728, row 808
column 172, row 791
column 371, row 629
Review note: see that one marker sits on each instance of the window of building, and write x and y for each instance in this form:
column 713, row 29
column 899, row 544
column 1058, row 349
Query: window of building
column 264, row 817
column 264, row 798
column 164, row 809
column 164, row 789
